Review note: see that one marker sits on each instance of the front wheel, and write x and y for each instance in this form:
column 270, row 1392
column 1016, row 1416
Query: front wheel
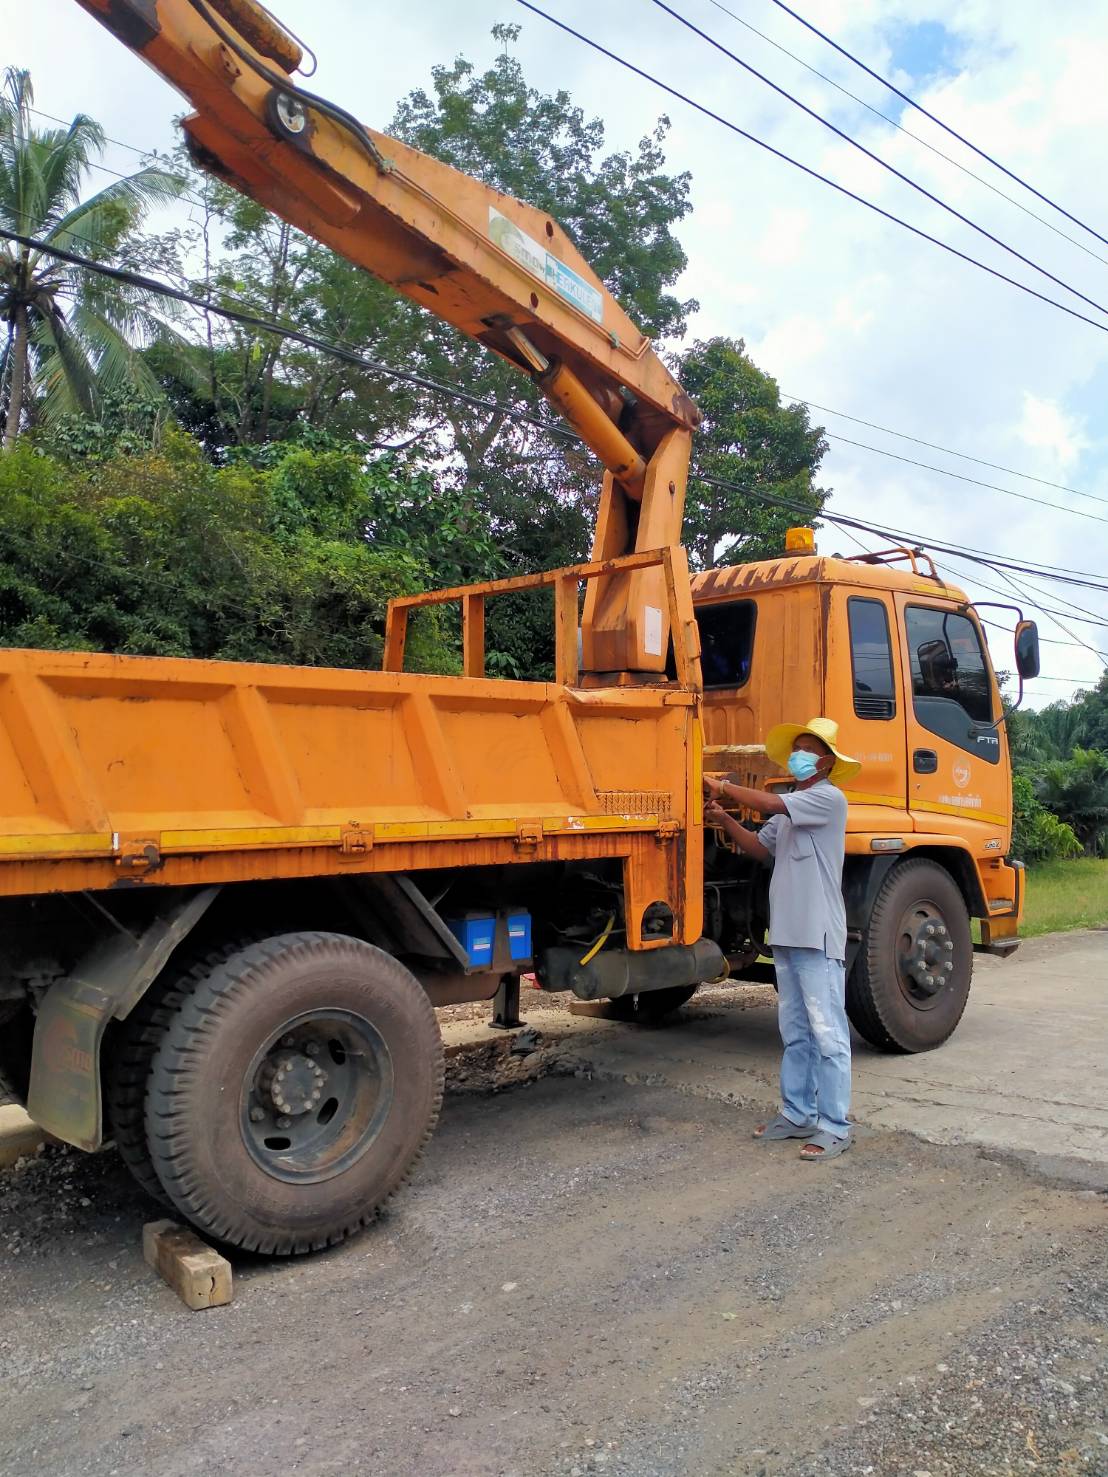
column 292, row 1091
column 911, row 980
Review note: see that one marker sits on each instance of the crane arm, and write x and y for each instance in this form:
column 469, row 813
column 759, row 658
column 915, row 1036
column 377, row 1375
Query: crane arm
column 501, row 271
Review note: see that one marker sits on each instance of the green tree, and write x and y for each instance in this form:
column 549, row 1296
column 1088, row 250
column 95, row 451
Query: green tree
column 1037, row 834
column 751, row 441
column 158, row 552
column 70, row 336
column 1076, row 790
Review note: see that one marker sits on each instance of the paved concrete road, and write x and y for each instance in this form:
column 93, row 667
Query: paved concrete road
column 1026, row 1072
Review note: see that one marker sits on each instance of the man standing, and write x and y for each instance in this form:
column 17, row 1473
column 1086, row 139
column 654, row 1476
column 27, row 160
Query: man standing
column 804, row 839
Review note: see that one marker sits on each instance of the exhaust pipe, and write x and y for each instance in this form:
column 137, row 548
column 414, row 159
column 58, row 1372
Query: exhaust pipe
column 616, row 972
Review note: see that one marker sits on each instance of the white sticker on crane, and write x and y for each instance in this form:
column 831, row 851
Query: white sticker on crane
column 652, row 631
column 541, row 263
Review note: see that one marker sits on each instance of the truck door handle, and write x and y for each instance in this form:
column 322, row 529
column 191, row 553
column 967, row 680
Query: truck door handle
column 925, row 761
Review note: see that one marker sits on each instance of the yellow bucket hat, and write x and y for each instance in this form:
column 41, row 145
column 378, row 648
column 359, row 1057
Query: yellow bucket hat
column 780, row 740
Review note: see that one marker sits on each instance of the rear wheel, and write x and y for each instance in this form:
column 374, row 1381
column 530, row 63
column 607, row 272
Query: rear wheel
column 651, row 1006
column 911, row 980
column 292, row 1092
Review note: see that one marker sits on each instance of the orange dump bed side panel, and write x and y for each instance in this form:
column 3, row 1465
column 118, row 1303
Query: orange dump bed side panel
column 161, row 771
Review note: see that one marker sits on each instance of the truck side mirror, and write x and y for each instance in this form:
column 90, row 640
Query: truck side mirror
column 1027, row 649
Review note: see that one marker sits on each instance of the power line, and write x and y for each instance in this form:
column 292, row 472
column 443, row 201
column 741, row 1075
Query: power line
column 806, row 169
column 252, row 320
column 947, row 450
column 917, row 138
column 975, row 481
column 1044, row 640
column 1027, row 594
column 1054, row 573
column 876, row 158
column 1005, row 594
column 1061, row 487
column 938, row 121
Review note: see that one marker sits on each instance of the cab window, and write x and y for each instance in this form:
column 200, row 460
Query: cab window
column 726, row 642
column 871, row 658
column 951, row 679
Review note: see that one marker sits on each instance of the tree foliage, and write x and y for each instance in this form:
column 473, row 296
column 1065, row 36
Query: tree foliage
column 296, row 457
column 756, row 445
column 70, row 336
column 161, row 553
column 1037, row 834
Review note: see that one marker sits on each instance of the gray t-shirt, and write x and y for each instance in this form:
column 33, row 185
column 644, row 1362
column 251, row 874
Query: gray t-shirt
column 806, row 890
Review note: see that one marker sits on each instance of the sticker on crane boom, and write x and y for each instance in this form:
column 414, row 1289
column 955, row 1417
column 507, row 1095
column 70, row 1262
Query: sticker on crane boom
column 540, row 263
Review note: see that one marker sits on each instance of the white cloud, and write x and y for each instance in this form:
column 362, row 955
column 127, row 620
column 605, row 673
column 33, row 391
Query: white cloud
column 1047, row 427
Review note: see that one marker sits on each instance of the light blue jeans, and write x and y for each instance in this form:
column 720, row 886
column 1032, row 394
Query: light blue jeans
column 811, row 1012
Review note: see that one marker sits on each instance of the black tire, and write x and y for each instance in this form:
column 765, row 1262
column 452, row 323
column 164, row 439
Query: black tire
column 129, row 1056
column 285, row 1184
column 919, row 908
column 652, row 1007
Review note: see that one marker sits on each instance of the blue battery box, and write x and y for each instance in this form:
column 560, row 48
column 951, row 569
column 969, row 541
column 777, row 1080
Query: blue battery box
column 519, row 937
column 476, row 933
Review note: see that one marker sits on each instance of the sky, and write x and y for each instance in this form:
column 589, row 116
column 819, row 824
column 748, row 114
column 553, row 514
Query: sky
column 845, row 309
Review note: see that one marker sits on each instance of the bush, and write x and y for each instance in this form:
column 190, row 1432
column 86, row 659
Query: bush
column 159, row 553
column 1037, row 834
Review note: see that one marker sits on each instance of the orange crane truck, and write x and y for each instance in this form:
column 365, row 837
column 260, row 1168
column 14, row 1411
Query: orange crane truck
column 233, row 894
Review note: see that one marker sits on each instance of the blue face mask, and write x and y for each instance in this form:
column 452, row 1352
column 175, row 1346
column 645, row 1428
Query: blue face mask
column 802, row 765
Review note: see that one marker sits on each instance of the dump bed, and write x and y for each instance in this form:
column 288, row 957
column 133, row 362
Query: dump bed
column 118, row 770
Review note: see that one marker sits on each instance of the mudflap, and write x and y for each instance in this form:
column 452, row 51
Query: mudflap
column 64, row 1096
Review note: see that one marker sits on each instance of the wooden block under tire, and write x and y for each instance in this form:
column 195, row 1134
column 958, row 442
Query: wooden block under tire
column 199, row 1276
column 18, row 1135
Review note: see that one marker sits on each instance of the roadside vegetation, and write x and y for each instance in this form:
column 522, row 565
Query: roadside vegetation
column 1065, row 895
column 174, row 484
column 181, row 485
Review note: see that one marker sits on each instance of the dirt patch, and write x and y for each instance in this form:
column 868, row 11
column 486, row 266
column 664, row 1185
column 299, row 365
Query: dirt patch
column 584, row 1277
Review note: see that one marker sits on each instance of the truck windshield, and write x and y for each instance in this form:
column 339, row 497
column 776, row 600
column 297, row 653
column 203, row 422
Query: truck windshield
column 726, row 642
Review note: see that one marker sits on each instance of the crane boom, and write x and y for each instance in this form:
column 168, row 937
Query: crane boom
column 499, row 270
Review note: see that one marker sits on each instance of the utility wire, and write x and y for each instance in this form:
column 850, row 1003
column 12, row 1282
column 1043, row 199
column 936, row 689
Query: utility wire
column 1055, row 573
column 876, row 158
column 824, row 409
column 975, row 481
column 1061, row 487
column 1022, row 590
column 806, row 169
column 938, row 121
column 917, row 138
column 1043, row 640
column 947, row 450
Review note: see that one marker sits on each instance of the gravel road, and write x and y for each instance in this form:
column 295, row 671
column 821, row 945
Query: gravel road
column 585, row 1277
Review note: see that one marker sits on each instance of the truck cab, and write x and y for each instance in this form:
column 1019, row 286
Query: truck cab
column 898, row 658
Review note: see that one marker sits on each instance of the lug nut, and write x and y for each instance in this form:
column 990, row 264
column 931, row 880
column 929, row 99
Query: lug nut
column 284, row 1123
column 949, row 967
column 312, row 1048
column 257, row 1115
column 949, row 947
column 930, row 930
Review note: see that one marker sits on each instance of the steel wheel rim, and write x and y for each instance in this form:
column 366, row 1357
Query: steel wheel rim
column 315, row 1096
column 924, row 947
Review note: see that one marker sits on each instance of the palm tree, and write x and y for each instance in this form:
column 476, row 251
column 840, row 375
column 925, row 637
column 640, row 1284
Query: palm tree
column 1076, row 790
column 70, row 335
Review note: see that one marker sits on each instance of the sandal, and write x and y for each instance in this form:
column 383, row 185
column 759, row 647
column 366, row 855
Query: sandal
column 783, row 1128
column 829, row 1146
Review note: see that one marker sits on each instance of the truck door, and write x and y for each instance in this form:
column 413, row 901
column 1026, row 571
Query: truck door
column 957, row 763
column 863, row 651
